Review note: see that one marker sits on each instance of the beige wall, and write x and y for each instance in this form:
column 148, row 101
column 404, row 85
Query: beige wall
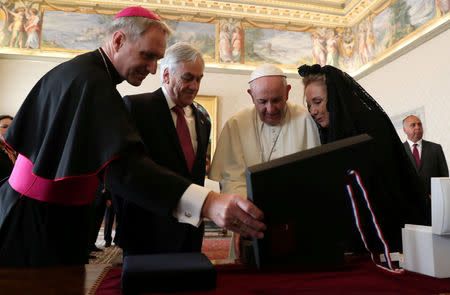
column 19, row 76
column 420, row 78
column 231, row 90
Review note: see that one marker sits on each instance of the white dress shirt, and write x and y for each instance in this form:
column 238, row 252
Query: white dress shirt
column 419, row 146
column 188, row 115
column 191, row 202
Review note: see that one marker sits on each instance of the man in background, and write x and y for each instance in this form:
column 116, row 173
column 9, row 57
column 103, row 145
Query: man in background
column 176, row 136
column 427, row 157
column 271, row 128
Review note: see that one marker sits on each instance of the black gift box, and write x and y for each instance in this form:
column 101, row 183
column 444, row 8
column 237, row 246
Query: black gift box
column 168, row 272
column 308, row 214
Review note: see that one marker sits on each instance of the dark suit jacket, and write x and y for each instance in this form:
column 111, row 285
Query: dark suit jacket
column 145, row 233
column 432, row 162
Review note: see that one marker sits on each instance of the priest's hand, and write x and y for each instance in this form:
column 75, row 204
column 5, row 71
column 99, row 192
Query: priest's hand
column 233, row 212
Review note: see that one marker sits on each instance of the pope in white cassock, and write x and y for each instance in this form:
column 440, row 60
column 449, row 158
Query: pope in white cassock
column 271, row 128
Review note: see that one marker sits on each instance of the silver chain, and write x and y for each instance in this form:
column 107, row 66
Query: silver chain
column 259, row 134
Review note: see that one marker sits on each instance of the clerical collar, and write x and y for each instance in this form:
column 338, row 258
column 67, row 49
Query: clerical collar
column 109, row 67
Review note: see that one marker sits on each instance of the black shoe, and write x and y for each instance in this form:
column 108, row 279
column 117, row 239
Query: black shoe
column 95, row 249
column 107, row 244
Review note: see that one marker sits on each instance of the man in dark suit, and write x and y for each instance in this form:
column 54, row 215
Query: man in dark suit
column 427, row 157
column 159, row 126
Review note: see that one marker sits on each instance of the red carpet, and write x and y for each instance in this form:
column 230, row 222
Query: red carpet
column 216, row 248
column 359, row 276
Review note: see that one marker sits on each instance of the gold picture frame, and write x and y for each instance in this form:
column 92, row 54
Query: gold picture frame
column 209, row 103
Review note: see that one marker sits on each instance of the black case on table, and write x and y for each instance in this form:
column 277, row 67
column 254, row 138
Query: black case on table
column 168, row 272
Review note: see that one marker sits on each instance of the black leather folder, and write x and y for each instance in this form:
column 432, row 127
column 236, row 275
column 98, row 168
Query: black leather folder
column 169, row 272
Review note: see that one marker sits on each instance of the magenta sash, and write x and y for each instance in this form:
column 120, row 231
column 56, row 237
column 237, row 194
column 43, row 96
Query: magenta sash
column 72, row 191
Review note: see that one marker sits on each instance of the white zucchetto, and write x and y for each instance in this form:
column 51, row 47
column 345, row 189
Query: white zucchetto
column 266, row 70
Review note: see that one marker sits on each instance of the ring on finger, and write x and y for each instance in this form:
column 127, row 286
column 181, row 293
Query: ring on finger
column 237, row 223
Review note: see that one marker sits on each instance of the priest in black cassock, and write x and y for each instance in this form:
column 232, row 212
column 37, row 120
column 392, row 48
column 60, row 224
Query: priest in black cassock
column 72, row 131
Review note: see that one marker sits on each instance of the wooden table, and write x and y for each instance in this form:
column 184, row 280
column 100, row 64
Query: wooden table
column 61, row 280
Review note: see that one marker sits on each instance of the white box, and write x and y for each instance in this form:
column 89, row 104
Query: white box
column 426, row 249
column 440, row 205
column 425, row 252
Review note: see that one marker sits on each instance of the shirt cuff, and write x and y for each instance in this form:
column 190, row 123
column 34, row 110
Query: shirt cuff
column 190, row 205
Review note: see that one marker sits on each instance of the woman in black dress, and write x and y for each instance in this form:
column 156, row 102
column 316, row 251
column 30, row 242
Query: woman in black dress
column 342, row 108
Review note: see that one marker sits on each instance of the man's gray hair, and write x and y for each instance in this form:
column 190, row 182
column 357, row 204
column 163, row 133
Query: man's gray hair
column 179, row 52
column 135, row 26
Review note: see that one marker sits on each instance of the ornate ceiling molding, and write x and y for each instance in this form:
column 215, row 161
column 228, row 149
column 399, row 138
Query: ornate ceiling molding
column 288, row 13
column 315, row 17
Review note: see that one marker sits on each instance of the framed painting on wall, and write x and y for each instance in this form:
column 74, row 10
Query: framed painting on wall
column 200, row 35
column 280, row 47
column 73, row 31
column 208, row 106
column 231, row 42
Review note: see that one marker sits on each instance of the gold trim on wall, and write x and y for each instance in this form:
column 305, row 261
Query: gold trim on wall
column 210, row 104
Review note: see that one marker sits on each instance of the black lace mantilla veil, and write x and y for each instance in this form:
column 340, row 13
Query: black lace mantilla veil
column 396, row 195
